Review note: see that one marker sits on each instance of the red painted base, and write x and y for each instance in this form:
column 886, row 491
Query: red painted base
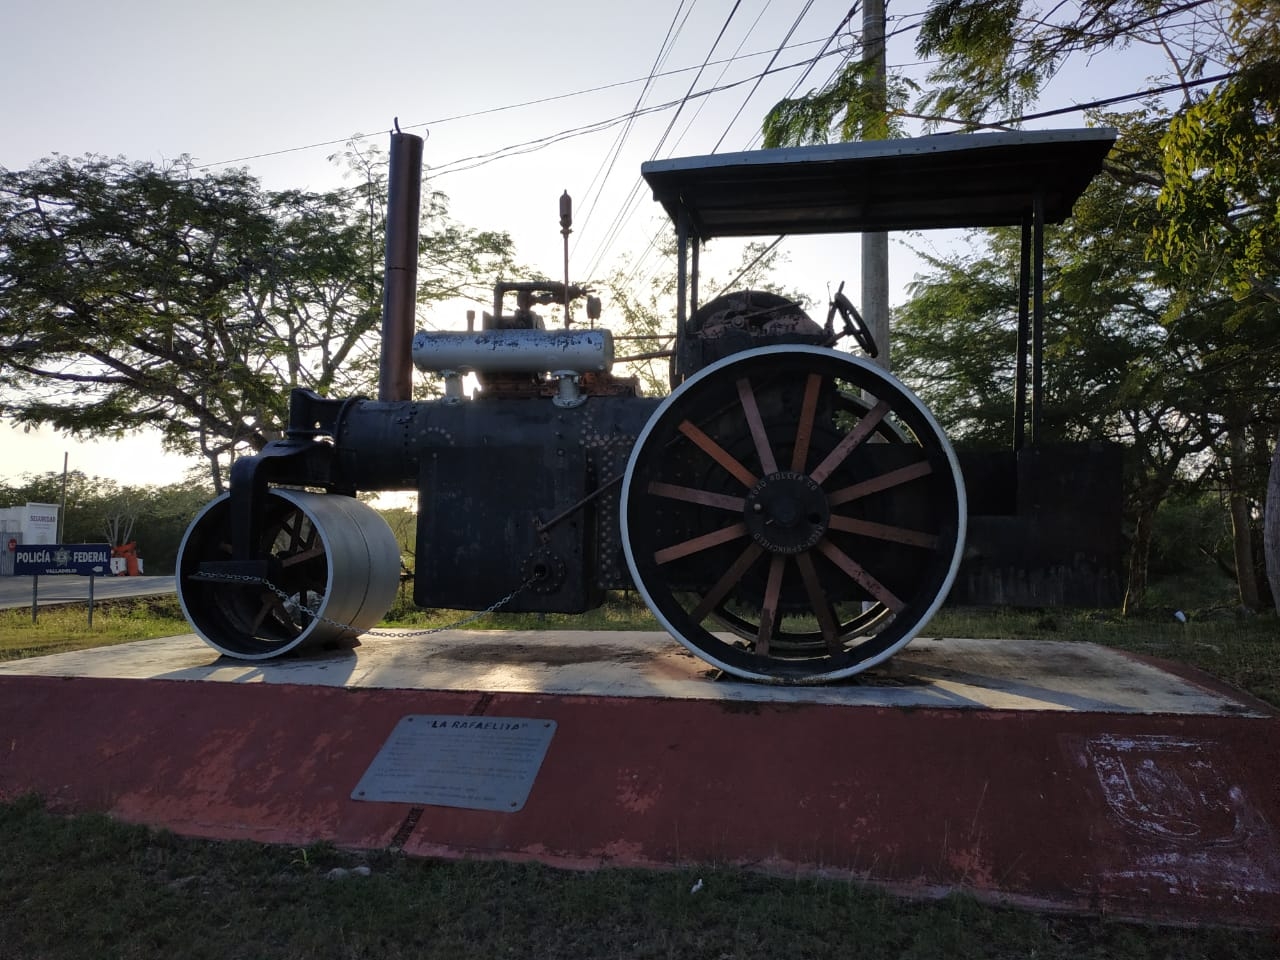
column 1160, row 817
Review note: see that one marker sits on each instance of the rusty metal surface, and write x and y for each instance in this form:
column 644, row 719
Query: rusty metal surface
column 400, row 283
column 1159, row 817
column 917, row 183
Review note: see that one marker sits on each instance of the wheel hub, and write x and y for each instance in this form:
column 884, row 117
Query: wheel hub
column 786, row 512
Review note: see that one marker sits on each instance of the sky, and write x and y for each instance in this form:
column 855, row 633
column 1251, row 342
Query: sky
column 277, row 86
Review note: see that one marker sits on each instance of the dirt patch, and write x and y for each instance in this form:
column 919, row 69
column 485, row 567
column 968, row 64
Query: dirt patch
column 553, row 655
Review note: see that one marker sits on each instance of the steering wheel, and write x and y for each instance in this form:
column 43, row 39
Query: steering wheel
column 853, row 322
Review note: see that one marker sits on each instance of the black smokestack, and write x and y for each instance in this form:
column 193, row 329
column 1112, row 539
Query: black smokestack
column 400, row 279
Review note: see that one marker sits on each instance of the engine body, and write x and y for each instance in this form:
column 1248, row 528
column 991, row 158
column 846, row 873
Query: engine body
column 791, row 512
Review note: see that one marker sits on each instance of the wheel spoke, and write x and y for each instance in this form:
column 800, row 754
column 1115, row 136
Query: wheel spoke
column 293, row 527
column 269, row 603
column 885, row 481
column 763, row 448
column 308, row 554
column 718, row 453
column 697, row 544
column 884, row 531
column 818, row 601
column 769, row 606
column 706, row 498
column 804, row 429
column 727, row 582
column 846, row 446
column 859, row 575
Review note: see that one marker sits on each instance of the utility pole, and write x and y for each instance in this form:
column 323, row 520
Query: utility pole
column 875, row 246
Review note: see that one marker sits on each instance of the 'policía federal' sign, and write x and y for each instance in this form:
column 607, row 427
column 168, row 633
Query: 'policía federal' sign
column 45, row 559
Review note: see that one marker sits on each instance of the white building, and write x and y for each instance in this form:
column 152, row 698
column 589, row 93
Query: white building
column 33, row 523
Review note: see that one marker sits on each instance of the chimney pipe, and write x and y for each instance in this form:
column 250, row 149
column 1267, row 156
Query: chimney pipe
column 400, row 278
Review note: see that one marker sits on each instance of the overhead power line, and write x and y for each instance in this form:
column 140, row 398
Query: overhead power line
column 607, row 163
column 487, row 111
column 528, row 146
column 633, row 199
column 760, row 78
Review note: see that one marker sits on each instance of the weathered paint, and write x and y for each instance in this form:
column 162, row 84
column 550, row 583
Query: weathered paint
column 1157, row 816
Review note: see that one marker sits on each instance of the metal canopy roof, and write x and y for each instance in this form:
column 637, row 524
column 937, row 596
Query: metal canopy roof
column 948, row 180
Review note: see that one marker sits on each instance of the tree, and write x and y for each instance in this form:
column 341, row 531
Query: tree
column 1138, row 351
column 99, row 510
column 1220, row 180
column 849, row 107
column 135, row 296
column 1221, row 194
column 1217, row 220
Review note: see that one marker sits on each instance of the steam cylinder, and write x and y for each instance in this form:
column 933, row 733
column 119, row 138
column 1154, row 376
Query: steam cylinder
column 514, row 351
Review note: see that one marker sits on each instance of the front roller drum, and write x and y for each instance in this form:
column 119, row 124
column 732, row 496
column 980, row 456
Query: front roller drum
column 793, row 514
column 334, row 569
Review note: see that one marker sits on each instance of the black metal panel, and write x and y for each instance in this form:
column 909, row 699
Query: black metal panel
column 478, row 529
column 1044, row 527
column 1035, row 562
column 611, row 571
column 509, row 489
column 990, row 481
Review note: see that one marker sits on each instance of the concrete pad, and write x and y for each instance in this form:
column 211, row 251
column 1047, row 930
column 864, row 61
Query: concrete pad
column 946, row 673
column 1047, row 774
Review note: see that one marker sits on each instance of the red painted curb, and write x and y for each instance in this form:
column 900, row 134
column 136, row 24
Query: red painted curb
column 1160, row 817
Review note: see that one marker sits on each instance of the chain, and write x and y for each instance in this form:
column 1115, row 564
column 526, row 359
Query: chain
column 293, row 606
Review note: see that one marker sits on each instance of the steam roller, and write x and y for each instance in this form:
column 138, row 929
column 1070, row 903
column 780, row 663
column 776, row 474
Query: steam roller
column 790, row 512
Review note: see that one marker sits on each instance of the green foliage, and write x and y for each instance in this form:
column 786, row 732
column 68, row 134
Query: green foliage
column 621, row 611
column 134, row 295
column 1191, row 555
column 851, row 107
column 1137, row 350
column 978, row 44
column 992, row 59
column 156, row 517
column 1221, row 195
column 954, row 340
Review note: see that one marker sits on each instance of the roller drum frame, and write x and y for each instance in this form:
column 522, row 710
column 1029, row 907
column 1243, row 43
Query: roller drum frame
column 333, row 562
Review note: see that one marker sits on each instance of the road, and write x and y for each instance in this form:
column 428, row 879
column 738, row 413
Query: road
column 16, row 591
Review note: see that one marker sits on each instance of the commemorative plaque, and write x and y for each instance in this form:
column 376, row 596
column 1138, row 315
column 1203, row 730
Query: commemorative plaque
column 477, row 763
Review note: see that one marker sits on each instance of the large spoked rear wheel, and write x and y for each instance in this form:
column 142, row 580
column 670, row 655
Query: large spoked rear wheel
column 803, row 499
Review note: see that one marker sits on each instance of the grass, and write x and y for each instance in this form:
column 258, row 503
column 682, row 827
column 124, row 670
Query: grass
column 60, row 628
column 623, row 611
column 88, row 887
